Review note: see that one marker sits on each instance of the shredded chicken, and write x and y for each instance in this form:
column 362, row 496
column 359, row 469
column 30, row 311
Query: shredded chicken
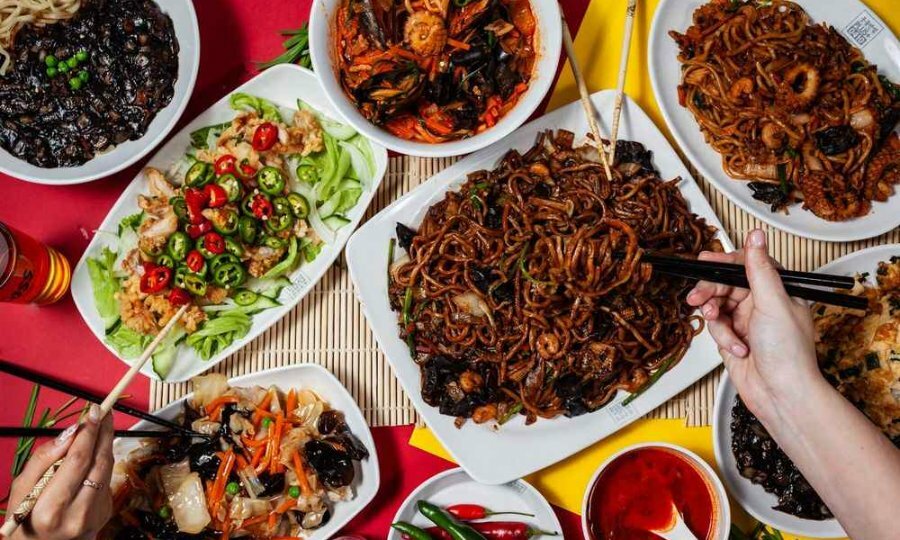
column 147, row 314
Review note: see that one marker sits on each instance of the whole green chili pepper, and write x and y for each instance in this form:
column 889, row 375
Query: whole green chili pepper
column 457, row 529
column 412, row 531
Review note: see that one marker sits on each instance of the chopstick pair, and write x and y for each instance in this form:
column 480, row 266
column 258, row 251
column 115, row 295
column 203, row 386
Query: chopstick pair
column 797, row 284
column 56, row 384
column 54, row 432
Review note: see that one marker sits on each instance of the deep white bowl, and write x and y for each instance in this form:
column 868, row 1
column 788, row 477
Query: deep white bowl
column 549, row 46
column 723, row 524
column 184, row 21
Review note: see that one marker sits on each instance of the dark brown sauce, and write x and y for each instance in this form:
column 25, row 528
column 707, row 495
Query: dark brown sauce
column 132, row 66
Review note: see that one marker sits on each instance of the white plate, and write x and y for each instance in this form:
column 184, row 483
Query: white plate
column 457, row 487
column 549, row 46
column 322, row 382
column 861, row 28
column 184, row 20
column 483, row 452
column 282, row 85
column 753, row 498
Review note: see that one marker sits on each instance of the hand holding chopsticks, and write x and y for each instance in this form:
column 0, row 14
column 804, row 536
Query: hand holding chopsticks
column 24, row 508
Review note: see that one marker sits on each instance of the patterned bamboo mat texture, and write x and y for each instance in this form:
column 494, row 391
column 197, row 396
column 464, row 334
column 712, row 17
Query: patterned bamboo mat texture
column 328, row 327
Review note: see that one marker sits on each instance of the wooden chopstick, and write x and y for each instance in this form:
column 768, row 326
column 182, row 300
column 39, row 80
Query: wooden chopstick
column 24, row 509
column 623, row 70
column 735, row 280
column 56, row 384
column 787, row 276
column 589, row 111
column 18, row 431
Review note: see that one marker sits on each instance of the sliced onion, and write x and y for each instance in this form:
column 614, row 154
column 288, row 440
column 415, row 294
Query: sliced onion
column 472, row 304
column 209, row 387
column 189, row 506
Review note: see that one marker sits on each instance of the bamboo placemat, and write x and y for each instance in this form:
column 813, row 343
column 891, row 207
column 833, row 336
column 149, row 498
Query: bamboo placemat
column 328, row 327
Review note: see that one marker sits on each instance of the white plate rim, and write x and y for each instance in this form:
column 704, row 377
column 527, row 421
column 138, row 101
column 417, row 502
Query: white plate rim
column 449, row 437
column 84, row 301
column 360, row 429
column 520, row 483
column 179, row 102
column 551, row 47
column 691, row 141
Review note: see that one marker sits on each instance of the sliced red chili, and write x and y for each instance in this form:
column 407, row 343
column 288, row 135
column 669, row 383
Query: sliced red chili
column 155, row 279
column 196, row 201
column 196, row 230
column 247, row 171
column 265, row 137
column 179, row 297
column 214, row 243
column 194, row 260
column 226, row 165
column 217, row 195
column 261, row 207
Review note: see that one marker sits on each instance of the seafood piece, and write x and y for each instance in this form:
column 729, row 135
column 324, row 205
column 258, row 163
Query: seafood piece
column 828, row 196
column 799, row 87
column 425, row 32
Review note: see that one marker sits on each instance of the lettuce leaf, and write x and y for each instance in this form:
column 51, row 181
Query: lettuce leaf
column 128, row 343
column 105, row 284
column 200, row 137
column 130, row 222
column 219, row 333
column 264, row 108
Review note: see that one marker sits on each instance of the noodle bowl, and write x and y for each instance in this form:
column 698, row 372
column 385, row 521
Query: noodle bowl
column 525, row 291
column 791, row 106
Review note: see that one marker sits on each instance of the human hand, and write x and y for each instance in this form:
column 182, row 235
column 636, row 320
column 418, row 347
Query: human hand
column 77, row 501
column 765, row 337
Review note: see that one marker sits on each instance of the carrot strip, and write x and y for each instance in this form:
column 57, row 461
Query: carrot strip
column 300, row 471
column 221, row 479
column 458, row 44
column 276, row 443
column 220, row 402
column 291, row 403
column 263, row 406
column 257, row 457
column 249, row 522
column 286, row 505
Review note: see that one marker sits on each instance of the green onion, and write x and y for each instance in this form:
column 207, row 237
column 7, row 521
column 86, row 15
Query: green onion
column 781, row 170
column 791, row 152
column 391, row 245
column 525, row 272
column 407, row 304
column 653, row 378
column 514, row 410
column 296, row 50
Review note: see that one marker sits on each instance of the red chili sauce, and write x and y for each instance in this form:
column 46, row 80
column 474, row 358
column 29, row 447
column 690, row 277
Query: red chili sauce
column 636, row 491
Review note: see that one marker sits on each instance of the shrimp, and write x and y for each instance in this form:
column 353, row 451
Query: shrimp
column 799, row 87
column 827, row 195
column 773, row 136
column 425, row 32
column 741, row 87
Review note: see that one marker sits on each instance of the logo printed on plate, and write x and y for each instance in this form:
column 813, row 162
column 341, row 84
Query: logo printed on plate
column 863, row 29
column 295, row 289
column 621, row 414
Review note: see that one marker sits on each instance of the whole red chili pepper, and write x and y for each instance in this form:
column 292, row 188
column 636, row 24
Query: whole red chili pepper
column 469, row 512
column 496, row 530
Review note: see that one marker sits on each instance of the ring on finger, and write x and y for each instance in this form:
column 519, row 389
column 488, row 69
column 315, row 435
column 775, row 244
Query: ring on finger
column 93, row 485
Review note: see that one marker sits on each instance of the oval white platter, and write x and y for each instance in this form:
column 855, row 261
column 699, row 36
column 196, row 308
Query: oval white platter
column 322, row 382
column 184, row 20
column 282, row 85
column 859, row 25
column 482, row 451
column 457, row 487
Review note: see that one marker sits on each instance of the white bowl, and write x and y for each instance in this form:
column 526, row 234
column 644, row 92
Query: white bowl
column 457, row 487
column 322, row 382
column 184, row 20
column 723, row 525
column 549, row 46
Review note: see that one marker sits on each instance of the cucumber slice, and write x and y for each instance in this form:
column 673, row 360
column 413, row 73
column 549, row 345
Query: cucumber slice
column 335, row 222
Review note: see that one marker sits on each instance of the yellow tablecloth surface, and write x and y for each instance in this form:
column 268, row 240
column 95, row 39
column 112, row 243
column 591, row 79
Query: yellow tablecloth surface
column 598, row 46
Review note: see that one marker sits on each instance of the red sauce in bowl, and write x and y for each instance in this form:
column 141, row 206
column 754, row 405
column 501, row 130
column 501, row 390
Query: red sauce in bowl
column 635, row 494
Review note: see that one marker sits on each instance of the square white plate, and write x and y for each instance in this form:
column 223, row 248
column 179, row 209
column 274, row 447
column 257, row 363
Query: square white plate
column 283, row 85
column 500, row 456
column 861, row 27
column 322, row 382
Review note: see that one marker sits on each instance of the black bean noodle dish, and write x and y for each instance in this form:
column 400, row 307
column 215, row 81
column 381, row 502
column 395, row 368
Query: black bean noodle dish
column 80, row 77
column 760, row 460
column 791, row 107
column 524, row 292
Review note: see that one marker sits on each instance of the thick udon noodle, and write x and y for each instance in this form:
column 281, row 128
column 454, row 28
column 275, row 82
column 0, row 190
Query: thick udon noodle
column 525, row 289
column 15, row 13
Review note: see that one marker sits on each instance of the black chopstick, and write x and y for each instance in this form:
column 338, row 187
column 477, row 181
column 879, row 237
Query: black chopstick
column 54, row 432
column 814, row 295
column 50, row 382
column 787, row 276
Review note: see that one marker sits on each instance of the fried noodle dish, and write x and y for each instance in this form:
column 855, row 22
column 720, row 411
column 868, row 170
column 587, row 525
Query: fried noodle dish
column 435, row 70
column 791, row 106
column 524, row 291
column 274, row 465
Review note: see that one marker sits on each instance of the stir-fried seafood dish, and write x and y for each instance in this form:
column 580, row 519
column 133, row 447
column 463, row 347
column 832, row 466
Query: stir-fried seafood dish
column 791, row 106
column 524, row 292
column 252, row 199
column 274, row 466
column 436, row 70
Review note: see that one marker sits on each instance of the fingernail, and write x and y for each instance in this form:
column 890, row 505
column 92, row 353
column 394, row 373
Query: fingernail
column 707, row 310
column 739, row 350
column 757, row 239
column 94, row 413
column 66, row 435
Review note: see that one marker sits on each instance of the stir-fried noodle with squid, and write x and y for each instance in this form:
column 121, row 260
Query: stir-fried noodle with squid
column 524, row 292
column 791, row 106
column 435, row 70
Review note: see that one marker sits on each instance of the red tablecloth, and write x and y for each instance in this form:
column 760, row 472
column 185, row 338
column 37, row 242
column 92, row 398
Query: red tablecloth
column 234, row 34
